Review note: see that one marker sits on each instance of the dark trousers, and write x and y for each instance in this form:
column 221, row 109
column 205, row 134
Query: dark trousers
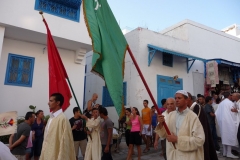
column 106, row 156
column 163, row 144
column 127, row 136
column 238, row 134
column 214, row 136
column 37, row 147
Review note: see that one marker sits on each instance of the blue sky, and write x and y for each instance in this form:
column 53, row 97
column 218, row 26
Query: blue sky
column 159, row 14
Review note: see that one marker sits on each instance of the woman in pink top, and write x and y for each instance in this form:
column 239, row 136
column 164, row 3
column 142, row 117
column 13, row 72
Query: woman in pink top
column 135, row 134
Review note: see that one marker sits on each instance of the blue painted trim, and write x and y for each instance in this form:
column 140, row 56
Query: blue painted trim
column 189, row 67
column 10, row 56
column 205, row 71
column 152, row 47
column 103, row 101
column 150, row 57
column 170, row 86
column 59, row 5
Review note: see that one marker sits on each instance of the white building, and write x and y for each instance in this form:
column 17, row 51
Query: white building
column 233, row 30
column 178, row 50
column 23, row 35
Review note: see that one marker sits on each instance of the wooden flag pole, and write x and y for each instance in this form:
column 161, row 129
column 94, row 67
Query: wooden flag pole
column 74, row 95
column 148, row 90
column 41, row 12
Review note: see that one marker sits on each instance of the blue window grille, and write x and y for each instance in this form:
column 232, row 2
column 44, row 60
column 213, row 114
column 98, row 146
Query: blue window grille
column 69, row 9
column 19, row 70
column 167, row 59
column 107, row 100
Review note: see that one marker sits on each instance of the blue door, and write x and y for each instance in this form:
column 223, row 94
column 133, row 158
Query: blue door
column 167, row 87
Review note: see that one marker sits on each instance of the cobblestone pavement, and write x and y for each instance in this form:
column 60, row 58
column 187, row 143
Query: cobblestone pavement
column 151, row 155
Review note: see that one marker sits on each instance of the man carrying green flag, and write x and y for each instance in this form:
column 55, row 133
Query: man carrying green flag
column 109, row 47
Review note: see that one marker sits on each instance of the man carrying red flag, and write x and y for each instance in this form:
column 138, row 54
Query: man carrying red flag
column 58, row 141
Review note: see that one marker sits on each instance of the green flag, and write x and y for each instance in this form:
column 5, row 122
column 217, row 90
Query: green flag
column 109, row 47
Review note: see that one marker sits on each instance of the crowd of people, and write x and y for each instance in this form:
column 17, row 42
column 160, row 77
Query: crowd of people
column 195, row 125
column 61, row 138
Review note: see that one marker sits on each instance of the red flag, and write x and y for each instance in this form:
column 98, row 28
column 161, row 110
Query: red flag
column 57, row 72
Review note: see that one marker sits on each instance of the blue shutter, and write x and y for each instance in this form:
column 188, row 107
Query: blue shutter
column 107, row 100
column 19, row 70
column 68, row 9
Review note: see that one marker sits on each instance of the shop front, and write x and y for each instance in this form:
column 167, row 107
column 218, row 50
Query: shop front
column 221, row 75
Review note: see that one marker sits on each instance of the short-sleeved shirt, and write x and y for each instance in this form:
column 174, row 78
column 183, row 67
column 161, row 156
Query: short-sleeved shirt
column 208, row 109
column 106, row 124
column 79, row 133
column 154, row 120
column 146, row 115
column 128, row 126
column 38, row 128
column 22, row 129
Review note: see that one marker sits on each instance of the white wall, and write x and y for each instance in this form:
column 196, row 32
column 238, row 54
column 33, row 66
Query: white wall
column 206, row 42
column 19, row 98
column 21, row 13
column 210, row 45
column 2, row 30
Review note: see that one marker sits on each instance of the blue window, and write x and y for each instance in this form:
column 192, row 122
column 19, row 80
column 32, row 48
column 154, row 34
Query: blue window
column 69, row 9
column 167, row 59
column 19, row 70
column 107, row 100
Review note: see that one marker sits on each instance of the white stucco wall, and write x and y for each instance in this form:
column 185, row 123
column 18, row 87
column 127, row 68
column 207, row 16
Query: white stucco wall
column 213, row 45
column 19, row 98
column 206, row 42
column 21, row 14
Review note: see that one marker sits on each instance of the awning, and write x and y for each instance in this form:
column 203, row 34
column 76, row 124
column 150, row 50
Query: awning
column 222, row 61
column 235, row 66
column 152, row 50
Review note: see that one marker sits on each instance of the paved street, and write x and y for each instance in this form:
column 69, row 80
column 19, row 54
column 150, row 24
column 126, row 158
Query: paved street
column 151, row 155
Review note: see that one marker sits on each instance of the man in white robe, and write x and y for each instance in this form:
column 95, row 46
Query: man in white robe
column 187, row 133
column 94, row 147
column 58, row 141
column 227, row 121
